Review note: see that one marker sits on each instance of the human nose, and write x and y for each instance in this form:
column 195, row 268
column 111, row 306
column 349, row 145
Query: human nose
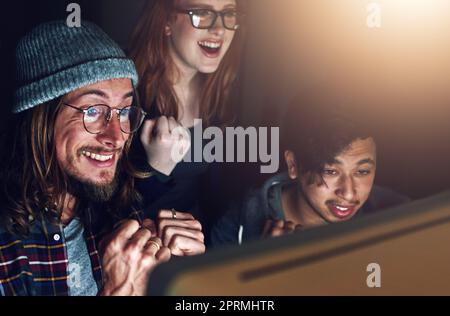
column 112, row 135
column 218, row 27
column 346, row 188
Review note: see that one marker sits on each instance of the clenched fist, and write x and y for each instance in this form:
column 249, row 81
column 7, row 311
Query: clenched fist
column 165, row 142
column 276, row 228
column 128, row 256
column 181, row 233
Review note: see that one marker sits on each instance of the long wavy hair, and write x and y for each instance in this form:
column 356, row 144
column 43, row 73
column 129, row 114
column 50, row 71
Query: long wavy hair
column 34, row 186
column 150, row 51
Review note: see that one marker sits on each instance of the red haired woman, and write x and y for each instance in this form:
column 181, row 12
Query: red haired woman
column 187, row 54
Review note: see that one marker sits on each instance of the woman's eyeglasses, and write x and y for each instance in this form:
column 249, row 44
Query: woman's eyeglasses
column 206, row 19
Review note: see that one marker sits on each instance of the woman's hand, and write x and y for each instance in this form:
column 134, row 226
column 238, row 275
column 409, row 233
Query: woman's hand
column 166, row 143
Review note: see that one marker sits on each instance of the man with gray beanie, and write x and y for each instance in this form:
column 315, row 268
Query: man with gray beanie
column 67, row 192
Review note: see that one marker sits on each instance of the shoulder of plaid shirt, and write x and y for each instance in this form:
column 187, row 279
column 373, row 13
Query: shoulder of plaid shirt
column 38, row 265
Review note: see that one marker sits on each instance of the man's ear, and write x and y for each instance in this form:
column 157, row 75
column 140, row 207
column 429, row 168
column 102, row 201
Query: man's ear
column 291, row 163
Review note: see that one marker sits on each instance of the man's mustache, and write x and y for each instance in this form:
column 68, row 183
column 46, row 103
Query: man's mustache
column 347, row 203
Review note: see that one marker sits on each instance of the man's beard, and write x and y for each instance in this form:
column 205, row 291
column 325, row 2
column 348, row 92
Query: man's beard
column 93, row 192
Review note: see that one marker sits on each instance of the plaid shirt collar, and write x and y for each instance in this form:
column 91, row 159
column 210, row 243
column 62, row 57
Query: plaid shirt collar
column 38, row 265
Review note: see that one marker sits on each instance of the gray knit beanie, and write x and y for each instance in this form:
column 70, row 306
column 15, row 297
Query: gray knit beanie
column 54, row 59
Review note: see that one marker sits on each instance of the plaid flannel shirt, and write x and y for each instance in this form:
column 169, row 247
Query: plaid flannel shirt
column 38, row 265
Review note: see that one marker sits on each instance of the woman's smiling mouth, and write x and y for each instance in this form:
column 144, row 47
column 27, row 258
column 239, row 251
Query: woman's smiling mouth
column 210, row 49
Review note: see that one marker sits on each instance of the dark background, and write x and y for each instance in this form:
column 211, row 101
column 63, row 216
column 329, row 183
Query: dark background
column 395, row 79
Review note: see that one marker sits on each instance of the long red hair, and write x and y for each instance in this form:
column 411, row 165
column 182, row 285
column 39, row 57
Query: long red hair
column 150, row 51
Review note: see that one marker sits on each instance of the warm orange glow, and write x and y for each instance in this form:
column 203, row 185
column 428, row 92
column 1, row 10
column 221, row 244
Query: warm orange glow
column 402, row 67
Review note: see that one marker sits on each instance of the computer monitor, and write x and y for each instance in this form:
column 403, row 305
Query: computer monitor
column 399, row 251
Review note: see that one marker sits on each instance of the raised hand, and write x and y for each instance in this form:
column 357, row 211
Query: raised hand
column 166, row 143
